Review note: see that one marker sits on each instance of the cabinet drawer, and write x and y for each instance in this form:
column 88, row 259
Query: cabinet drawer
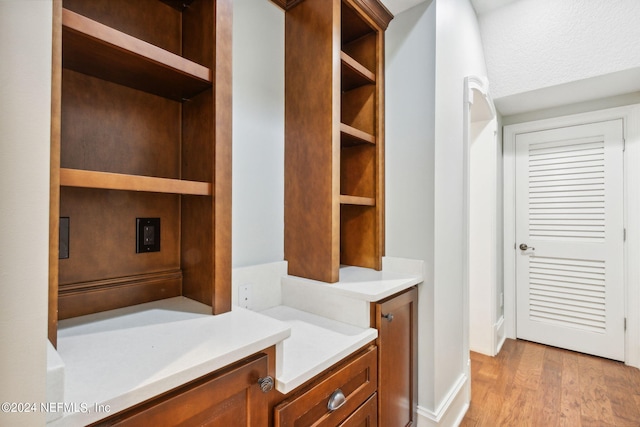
column 365, row 416
column 357, row 380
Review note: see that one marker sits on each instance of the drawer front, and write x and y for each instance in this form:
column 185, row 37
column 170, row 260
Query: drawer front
column 357, row 381
column 231, row 398
column 365, row 416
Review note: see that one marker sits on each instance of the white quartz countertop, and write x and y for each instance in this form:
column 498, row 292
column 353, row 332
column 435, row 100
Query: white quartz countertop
column 123, row 357
column 315, row 344
column 362, row 283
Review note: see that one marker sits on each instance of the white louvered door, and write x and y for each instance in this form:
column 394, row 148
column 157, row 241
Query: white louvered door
column 569, row 212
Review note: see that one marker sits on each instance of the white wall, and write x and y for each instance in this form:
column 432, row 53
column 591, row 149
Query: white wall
column 431, row 48
column 409, row 162
column 459, row 53
column 258, row 133
column 483, row 242
column 25, row 90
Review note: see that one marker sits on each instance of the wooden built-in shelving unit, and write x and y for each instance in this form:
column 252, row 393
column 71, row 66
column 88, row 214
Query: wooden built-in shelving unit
column 141, row 127
column 334, row 135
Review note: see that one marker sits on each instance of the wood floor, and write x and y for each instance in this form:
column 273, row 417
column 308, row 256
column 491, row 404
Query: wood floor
column 529, row 384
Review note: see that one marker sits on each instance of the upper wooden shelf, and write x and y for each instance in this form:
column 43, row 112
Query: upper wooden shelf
column 354, row 74
column 117, row 181
column 357, row 200
column 352, row 136
column 100, row 51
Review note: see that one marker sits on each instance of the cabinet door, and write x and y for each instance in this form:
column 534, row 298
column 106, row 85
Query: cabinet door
column 396, row 321
column 230, row 398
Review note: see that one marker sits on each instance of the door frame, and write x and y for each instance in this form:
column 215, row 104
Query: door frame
column 630, row 116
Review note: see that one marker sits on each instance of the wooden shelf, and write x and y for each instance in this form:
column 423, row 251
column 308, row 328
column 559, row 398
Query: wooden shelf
column 354, row 74
column 117, row 181
column 356, row 200
column 100, row 51
column 353, row 136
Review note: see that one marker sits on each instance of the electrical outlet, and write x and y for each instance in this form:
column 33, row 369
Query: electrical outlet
column 147, row 235
column 244, row 296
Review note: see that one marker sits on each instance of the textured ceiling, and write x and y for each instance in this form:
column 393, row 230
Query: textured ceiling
column 481, row 6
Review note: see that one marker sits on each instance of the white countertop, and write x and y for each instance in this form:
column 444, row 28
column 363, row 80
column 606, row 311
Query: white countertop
column 125, row 356
column 315, row 344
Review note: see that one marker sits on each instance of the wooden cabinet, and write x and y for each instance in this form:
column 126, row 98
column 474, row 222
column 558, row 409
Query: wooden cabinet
column 349, row 389
column 396, row 319
column 141, row 128
column 231, row 397
column 334, row 135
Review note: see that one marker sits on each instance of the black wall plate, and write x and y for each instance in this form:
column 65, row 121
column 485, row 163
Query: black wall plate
column 148, row 235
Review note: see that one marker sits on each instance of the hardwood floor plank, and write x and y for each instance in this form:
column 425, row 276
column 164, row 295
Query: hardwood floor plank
column 571, row 395
column 618, row 381
column 531, row 385
column 595, row 402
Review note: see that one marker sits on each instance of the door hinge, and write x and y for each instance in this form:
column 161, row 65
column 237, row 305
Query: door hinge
column 624, row 144
column 625, row 324
column 624, row 234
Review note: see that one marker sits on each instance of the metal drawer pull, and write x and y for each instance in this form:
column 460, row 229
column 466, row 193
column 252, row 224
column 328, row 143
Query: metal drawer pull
column 266, row 384
column 388, row 316
column 336, row 400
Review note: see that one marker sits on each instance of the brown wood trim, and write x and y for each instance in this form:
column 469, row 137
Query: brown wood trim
column 78, row 299
column 221, row 297
column 287, row 4
column 356, row 200
column 376, row 11
column 351, row 132
column 98, row 50
column 54, row 183
column 357, row 67
column 117, row 181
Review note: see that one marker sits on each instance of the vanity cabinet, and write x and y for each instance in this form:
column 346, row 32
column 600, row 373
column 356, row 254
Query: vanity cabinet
column 345, row 396
column 334, row 135
column 230, row 397
column 396, row 319
column 141, row 128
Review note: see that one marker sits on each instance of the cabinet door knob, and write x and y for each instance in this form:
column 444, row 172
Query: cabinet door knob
column 336, row 400
column 266, row 384
column 388, row 316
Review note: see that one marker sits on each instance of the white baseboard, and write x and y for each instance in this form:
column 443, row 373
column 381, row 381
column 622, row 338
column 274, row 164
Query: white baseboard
column 451, row 411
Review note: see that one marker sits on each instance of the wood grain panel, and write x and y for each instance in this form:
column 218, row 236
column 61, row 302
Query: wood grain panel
column 54, row 173
column 358, row 237
column 397, row 341
column 102, row 239
column 358, row 171
column 359, row 109
column 112, row 128
column 364, row 51
column 229, row 397
column 92, row 297
column 148, row 20
column 312, row 138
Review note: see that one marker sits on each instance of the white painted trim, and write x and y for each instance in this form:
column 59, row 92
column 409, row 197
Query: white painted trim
column 451, row 411
column 631, row 119
column 499, row 336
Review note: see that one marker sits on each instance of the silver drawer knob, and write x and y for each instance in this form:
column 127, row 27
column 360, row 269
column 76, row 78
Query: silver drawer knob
column 336, row 400
column 266, row 384
column 388, row 316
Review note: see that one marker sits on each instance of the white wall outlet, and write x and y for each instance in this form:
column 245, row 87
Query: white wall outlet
column 244, row 296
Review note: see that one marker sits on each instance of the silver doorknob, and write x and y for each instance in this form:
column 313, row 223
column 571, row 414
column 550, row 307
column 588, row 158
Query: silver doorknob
column 266, row 384
column 388, row 316
column 524, row 247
